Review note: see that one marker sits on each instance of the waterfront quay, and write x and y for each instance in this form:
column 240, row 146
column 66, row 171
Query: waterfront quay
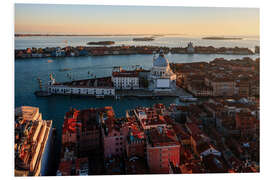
column 179, row 92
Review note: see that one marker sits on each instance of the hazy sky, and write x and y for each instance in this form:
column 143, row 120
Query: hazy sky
column 90, row 19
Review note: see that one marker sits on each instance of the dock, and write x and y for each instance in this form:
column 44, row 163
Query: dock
column 179, row 92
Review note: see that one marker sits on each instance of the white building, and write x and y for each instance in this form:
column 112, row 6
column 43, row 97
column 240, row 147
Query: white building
column 161, row 76
column 123, row 79
column 90, row 87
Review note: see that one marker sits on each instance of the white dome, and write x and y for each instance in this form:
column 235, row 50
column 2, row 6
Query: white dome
column 161, row 61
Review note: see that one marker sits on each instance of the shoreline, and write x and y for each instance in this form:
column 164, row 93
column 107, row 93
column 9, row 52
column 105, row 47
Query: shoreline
column 78, row 51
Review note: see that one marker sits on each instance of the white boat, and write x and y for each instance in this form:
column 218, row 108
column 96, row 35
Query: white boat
column 117, row 97
column 188, row 99
column 99, row 96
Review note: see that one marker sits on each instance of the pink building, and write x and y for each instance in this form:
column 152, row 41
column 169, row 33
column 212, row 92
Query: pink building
column 135, row 144
column 114, row 133
column 162, row 148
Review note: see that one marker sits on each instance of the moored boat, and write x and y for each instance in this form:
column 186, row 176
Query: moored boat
column 42, row 93
column 188, row 99
column 99, row 96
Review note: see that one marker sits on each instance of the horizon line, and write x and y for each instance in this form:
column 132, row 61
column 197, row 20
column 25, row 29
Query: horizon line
column 121, row 34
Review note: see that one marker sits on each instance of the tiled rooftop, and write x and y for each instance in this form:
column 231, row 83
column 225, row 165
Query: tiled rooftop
column 104, row 82
column 161, row 137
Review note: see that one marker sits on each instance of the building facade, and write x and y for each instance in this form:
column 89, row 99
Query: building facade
column 162, row 149
column 123, row 79
column 88, row 87
column 220, row 86
column 161, row 75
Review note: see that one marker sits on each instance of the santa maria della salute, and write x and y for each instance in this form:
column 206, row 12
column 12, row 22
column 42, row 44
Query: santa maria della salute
column 161, row 74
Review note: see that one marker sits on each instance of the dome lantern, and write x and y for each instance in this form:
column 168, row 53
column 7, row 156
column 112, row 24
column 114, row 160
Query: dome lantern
column 161, row 60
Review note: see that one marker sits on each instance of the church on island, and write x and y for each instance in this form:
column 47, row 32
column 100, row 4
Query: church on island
column 159, row 78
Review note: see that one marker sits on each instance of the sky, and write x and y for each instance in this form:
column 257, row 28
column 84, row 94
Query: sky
column 98, row 19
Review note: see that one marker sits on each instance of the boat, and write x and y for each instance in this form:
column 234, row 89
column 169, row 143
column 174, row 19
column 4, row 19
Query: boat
column 49, row 61
column 65, row 69
column 99, row 96
column 117, row 97
column 188, row 99
column 42, row 93
column 157, row 97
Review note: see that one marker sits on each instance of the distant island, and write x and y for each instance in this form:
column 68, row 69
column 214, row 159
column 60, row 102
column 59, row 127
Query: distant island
column 144, row 39
column 222, row 38
column 101, row 43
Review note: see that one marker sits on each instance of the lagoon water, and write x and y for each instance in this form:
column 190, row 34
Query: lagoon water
column 54, row 108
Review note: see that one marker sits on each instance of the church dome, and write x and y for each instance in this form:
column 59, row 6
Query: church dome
column 161, row 61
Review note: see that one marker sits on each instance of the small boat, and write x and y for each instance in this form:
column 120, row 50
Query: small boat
column 99, row 96
column 117, row 97
column 49, row 61
column 188, row 99
column 157, row 97
column 42, row 93
column 65, row 69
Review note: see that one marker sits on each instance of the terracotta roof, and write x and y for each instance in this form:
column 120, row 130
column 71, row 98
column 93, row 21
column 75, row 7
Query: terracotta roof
column 164, row 137
column 104, row 82
column 125, row 74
